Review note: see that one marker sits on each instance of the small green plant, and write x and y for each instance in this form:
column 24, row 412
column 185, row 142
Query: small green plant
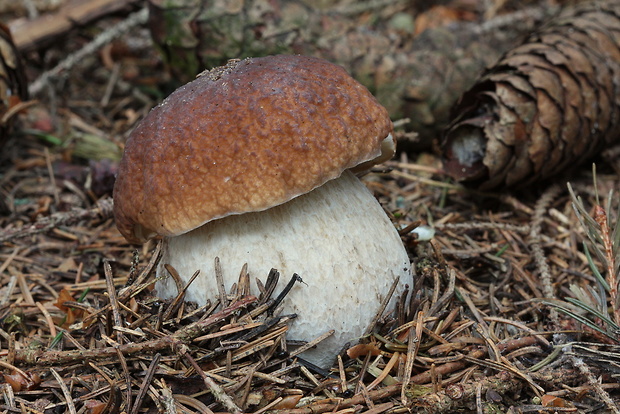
column 597, row 307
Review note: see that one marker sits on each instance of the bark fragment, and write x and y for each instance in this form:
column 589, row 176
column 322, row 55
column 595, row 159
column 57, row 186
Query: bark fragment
column 547, row 105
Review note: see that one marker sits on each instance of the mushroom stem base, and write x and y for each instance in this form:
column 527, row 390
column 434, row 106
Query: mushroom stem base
column 337, row 238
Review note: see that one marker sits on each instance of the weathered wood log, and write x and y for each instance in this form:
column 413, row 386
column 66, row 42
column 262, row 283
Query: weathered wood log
column 414, row 76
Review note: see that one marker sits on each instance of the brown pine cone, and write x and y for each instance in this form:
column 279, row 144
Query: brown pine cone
column 547, row 105
column 13, row 85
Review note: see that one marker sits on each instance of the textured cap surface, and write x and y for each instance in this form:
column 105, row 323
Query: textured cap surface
column 244, row 137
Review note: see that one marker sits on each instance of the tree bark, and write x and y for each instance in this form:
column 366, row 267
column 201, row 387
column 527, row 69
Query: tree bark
column 416, row 77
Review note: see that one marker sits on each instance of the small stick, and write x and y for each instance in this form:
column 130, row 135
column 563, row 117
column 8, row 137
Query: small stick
column 343, row 375
column 50, row 171
column 385, row 372
column 360, row 382
column 48, row 319
column 219, row 277
column 479, row 398
column 178, row 300
column 65, row 391
column 186, row 334
column 125, row 367
column 23, row 286
column 312, row 343
column 381, row 309
column 139, row 283
column 114, row 399
column 102, row 210
column 413, row 344
column 8, row 261
column 285, row 291
column 10, row 366
column 535, row 240
column 217, row 391
column 145, row 383
column 449, row 292
column 270, row 285
column 116, row 313
column 600, row 216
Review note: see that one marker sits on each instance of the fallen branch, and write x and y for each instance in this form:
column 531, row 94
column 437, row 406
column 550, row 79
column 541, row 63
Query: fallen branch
column 184, row 335
column 102, row 211
column 31, row 34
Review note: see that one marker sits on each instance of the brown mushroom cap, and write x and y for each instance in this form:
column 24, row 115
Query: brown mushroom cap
column 244, row 137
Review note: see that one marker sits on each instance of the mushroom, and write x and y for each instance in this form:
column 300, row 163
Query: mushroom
column 252, row 163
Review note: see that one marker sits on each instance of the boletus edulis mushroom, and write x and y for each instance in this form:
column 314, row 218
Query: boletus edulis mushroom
column 252, row 163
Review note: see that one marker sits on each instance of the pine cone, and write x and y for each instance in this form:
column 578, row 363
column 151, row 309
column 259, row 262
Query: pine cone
column 548, row 104
column 13, row 85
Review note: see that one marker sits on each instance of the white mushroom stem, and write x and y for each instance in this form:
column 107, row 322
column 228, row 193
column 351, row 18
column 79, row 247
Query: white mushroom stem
column 337, row 238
